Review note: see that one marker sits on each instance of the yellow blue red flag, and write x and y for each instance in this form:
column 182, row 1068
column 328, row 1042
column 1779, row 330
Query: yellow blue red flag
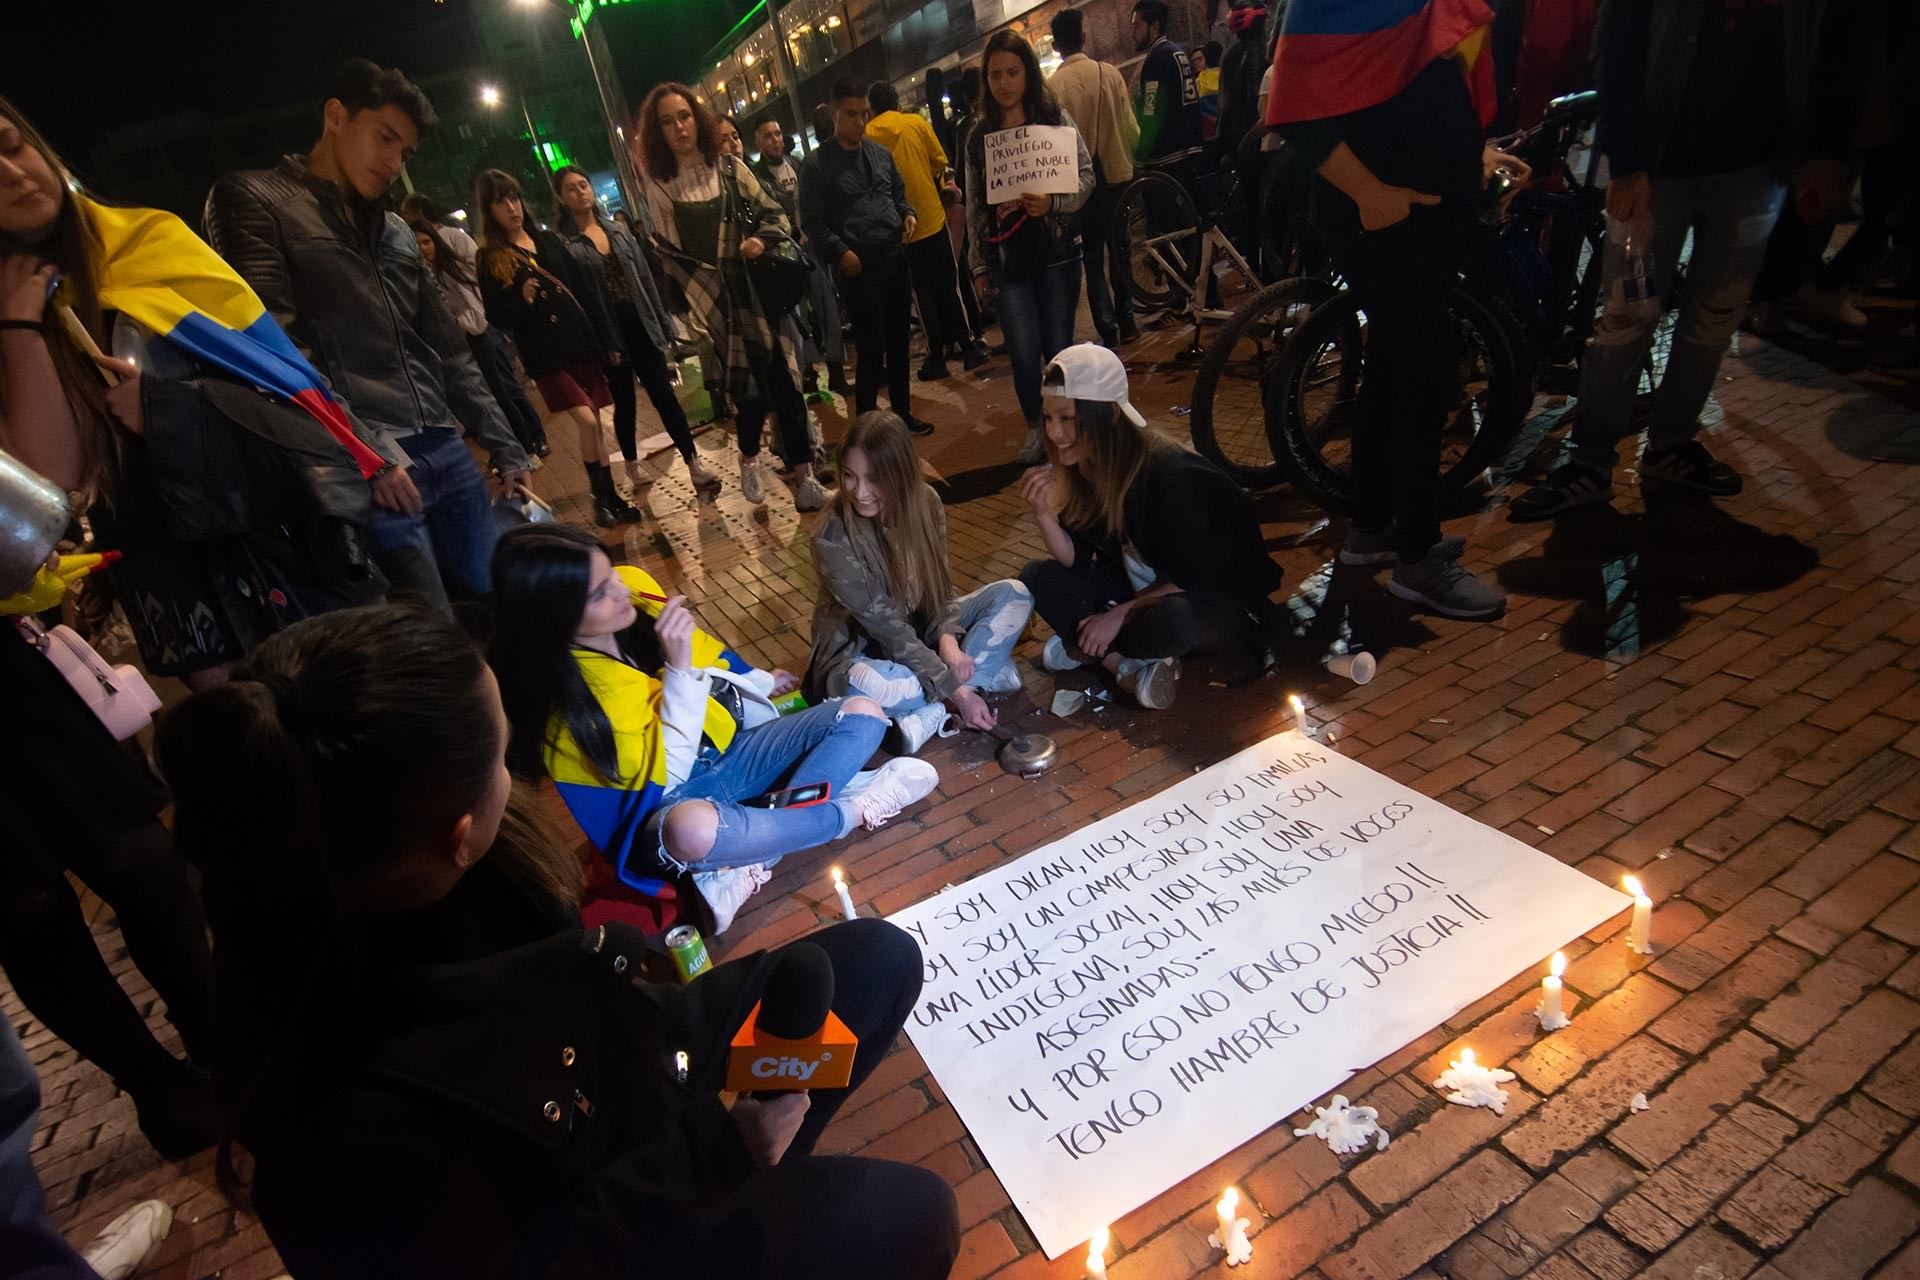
column 1337, row 56
column 155, row 270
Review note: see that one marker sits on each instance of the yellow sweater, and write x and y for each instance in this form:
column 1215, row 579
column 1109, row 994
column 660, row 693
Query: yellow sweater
column 921, row 161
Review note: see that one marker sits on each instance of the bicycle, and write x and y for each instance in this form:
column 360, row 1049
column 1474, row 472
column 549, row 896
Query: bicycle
column 1172, row 250
column 1525, row 308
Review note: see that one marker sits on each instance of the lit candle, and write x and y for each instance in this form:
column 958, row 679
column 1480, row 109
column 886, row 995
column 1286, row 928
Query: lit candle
column 846, row 899
column 1300, row 715
column 1471, row 1085
column 1232, row 1235
column 1097, row 1255
column 1640, row 932
column 1552, row 1016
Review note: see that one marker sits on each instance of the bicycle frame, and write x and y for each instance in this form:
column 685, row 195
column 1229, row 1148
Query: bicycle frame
column 1212, row 240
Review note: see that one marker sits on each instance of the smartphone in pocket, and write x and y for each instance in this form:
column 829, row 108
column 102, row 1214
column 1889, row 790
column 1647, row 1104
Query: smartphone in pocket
column 793, row 797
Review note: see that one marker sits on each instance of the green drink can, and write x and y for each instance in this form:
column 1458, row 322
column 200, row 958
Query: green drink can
column 688, row 951
column 789, row 703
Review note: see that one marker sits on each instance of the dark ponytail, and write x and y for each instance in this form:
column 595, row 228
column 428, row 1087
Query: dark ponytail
column 300, row 788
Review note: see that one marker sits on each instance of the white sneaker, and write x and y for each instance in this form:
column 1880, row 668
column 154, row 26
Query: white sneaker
column 912, row 730
column 1005, row 680
column 1054, row 656
column 1035, row 448
column 1149, row 681
column 698, row 472
column 125, row 1244
column 753, row 484
column 727, row 890
column 810, row 495
column 899, row 783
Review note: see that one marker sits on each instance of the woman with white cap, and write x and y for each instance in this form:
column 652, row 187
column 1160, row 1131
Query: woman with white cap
column 1156, row 553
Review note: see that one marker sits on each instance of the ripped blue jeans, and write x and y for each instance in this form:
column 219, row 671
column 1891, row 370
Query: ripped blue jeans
column 820, row 744
column 992, row 619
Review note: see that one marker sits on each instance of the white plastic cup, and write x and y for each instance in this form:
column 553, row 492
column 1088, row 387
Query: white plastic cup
column 1357, row 667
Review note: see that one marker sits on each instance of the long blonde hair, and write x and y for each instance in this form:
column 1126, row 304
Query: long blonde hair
column 906, row 533
column 74, row 248
column 1095, row 488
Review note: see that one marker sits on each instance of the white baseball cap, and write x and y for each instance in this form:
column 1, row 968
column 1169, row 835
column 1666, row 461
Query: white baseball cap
column 1088, row 371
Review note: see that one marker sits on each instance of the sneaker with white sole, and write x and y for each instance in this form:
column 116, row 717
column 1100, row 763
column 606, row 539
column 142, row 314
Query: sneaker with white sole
column 1054, row 656
column 1437, row 581
column 899, row 783
column 726, row 891
column 1005, row 680
column 700, row 474
column 1149, row 681
column 753, row 484
column 912, row 730
column 125, row 1244
column 1380, row 546
column 810, row 495
column 1691, row 466
column 1569, row 485
column 1035, row 448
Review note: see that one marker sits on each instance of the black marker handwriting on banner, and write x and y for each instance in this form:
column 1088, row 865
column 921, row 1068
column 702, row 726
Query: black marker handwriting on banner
column 1402, row 945
column 1235, row 1048
column 1112, row 846
column 1273, row 815
column 1083, row 935
column 1032, row 881
column 1161, row 823
column 1279, row 962
column 997, row 981
column 1294, row 762
column 1375, row 825
column 981, row 946
column 1351, row 922
column 1062, row 1034
column 965, row 911
column 1089, row 1137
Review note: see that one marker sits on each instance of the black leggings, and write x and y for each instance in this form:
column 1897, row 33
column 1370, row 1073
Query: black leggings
column 49, row 954
column 834, row 1216
column 645, row 366
column 1203, row 623
column 774, row 391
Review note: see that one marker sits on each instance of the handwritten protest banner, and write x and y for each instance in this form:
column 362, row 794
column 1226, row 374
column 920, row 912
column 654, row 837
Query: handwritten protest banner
column 1113, row 1012
column 1034, row 157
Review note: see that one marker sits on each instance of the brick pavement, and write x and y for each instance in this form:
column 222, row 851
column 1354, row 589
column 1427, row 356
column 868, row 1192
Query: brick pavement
column 1727, row 705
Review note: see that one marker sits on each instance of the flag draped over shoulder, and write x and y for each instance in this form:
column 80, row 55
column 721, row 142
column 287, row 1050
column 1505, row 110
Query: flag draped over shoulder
column 155, row 270
column 1337, row 56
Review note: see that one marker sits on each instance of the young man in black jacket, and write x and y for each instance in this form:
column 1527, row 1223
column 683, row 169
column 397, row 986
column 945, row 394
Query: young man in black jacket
column 344, row 277
column 1708, row 108
column 1165, row 97
column 853, row 207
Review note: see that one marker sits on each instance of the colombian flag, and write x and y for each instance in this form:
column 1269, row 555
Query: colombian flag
column 155, row 270
column 1336, row 56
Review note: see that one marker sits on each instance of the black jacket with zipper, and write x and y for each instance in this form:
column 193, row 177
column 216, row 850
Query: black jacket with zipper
column 569, row 319
column 345, row 279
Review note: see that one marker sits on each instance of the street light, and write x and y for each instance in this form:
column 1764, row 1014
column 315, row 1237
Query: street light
column 490, row 97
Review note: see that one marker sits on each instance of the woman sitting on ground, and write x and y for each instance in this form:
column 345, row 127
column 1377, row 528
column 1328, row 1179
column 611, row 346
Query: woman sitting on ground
column 436, row 1070
column 536, row 291
column 888, row 624
column 659, row 739
column 1131, row 517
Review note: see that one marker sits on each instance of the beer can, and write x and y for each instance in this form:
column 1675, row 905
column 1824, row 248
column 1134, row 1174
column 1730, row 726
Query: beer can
column 688, row 951
column 788, row 704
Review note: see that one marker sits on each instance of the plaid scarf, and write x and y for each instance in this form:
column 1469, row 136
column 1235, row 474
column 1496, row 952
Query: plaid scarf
column 722, row 295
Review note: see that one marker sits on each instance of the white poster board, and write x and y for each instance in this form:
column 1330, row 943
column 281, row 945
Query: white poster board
column 1114, row 1011
column 1032, row 157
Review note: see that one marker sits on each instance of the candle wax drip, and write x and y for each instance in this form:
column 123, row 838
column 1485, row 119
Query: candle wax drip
column 1472, row 1085
column 1346, row 1128
column 1238, row 1248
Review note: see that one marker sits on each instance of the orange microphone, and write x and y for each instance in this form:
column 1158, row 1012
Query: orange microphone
column 792, row 1040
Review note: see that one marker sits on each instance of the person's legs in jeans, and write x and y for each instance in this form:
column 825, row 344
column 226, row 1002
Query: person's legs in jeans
column 1732, row 216
column 1119, row 270
column 1019, row 307
column 1094, row 216
column 496, row 366
column 863, row 297
column 789, row 410
column 399, row 540
column 993, row 618
column 891, row 684
column 826, row 743
column 626, row 397
column 923, row 265
column 1059, row 298
column 897, row 310
column 33, row 1247
column 649, row 366
column 459, row 514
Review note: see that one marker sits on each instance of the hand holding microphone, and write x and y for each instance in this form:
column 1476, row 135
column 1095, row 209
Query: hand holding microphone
column 790, row 1043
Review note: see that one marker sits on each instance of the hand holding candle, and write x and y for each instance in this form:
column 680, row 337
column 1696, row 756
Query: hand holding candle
column 1640, row 932
column 1097, row 1255
column 1232, row 1233
column 1552, row 1016
column 846, row 899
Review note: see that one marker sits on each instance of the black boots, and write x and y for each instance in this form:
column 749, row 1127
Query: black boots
column 609, row 508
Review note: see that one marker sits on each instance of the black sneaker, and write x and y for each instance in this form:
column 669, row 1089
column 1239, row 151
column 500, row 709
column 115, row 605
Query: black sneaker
column 933, row 371
column 1691, row 467
column 918, row 426
column 1569, row 485
column 974, row 356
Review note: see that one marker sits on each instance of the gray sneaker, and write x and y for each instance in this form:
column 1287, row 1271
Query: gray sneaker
column 1054, row 656
column 810, row 495
column 1149, row 681
column 1437, row 581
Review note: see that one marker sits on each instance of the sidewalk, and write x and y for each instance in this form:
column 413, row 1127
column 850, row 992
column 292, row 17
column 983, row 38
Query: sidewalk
column 1728, row 706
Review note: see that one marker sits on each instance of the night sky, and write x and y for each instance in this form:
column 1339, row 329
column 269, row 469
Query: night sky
column 79, row 69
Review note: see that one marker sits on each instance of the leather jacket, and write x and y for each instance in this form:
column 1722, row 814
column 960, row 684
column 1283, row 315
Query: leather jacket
column 346, row 281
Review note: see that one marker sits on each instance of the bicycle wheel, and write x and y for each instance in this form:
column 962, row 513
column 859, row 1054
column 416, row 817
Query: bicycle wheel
column 1156, row 210
column 1313, row 398
column 1228, row 416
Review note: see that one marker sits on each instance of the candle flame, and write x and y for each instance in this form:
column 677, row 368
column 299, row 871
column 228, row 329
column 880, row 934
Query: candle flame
column 1097, row 1247
column 1466, row 1057
column 1298, row 706
column 1228, row 1202
column 1633, row 886
column 1559, row 965
column 838, row 879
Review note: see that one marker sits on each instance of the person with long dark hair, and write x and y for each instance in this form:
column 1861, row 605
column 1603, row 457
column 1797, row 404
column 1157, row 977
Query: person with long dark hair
column 556, row 313
column 1155, row 554
column 453, row 258
column 1026, row 250
column 436, row 1070
column 660, row 739
column 609, row 255
column 711, row 217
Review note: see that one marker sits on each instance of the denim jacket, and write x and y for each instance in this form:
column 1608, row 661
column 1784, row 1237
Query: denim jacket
column 633, row 260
